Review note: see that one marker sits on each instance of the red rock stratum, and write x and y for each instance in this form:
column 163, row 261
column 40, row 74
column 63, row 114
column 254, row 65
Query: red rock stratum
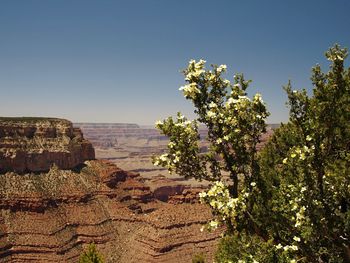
column 35, row 144
column 51, row 216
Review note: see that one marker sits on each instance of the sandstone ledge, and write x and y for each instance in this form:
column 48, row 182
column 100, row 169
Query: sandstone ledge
column 35, row 144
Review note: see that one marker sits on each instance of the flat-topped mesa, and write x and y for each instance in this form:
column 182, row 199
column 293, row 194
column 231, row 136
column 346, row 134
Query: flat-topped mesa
column 34, row 144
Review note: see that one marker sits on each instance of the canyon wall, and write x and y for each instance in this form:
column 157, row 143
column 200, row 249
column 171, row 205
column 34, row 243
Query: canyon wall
column 35, row 144
column 50, row 213
column 53, row 216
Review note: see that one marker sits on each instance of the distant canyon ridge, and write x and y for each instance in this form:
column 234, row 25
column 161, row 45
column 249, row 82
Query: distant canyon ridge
column 131, row 146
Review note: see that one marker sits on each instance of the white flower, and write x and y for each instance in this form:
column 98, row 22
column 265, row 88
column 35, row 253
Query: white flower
column 163, row 157
column 297, row 239
column 279, row 246
column 190, row 90
column 213, row 224
column 293, row 247
column 199, row 64
column 176, row 159
column 158, row 123
column 171, row 144
column 231, row 101
column 211, row 114
column 339, row 57
column 253, row 184
column 212, row 105
column 221, row 68
column 202, row 194
column 257, row 97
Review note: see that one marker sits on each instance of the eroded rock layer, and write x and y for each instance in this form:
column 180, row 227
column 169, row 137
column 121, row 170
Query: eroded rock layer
column 50, row 217
column 49, row 213
column 35, row 144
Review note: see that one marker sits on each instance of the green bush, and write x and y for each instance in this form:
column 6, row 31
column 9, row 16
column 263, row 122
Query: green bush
column 91, row 255
column 288, row 203
column 198, row 258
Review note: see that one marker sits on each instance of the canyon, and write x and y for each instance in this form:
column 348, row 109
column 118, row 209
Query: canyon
column 52, row 208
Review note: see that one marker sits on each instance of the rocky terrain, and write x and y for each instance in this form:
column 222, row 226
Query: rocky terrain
column 35, row 144
column 51, row 214
column 50, row 217
column 131, row 146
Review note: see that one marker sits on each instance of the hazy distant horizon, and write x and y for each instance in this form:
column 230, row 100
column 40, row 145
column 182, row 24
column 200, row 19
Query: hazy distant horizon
column 120, row 61
column 97, row 122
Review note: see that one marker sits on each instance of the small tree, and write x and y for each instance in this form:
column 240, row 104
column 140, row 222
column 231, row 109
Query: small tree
column 91, row 255
column 290, row 203
column 234, row 124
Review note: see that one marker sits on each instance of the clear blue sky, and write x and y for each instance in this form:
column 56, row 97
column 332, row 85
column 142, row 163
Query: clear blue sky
column 120, row 61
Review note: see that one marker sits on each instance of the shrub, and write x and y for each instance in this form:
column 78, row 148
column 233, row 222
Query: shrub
column 91, row 255
column 289, row 203
column 198, row 258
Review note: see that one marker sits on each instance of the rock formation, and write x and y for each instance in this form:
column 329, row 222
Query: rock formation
column 35, row 144
column 50, row 216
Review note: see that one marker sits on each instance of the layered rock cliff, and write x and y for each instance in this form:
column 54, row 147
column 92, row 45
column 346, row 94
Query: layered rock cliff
column 51, row 216
column 35, row 144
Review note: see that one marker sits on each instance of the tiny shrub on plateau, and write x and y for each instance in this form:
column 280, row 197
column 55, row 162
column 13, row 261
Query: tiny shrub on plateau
column 198, row 258
column 91, row 255
column 288, row 203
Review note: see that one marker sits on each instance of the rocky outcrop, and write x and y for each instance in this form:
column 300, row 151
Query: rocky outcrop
column 35, row 144
column 190, row 196
column 49, row 213
column 51, row 217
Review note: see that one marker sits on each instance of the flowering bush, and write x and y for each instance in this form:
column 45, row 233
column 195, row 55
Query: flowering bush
column 290, row 202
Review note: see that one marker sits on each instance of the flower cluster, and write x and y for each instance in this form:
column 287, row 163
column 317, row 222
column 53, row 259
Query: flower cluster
column 182, row 156
column 190, row 90
column 225, row 207
column 299, row 153
column 194, row 70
